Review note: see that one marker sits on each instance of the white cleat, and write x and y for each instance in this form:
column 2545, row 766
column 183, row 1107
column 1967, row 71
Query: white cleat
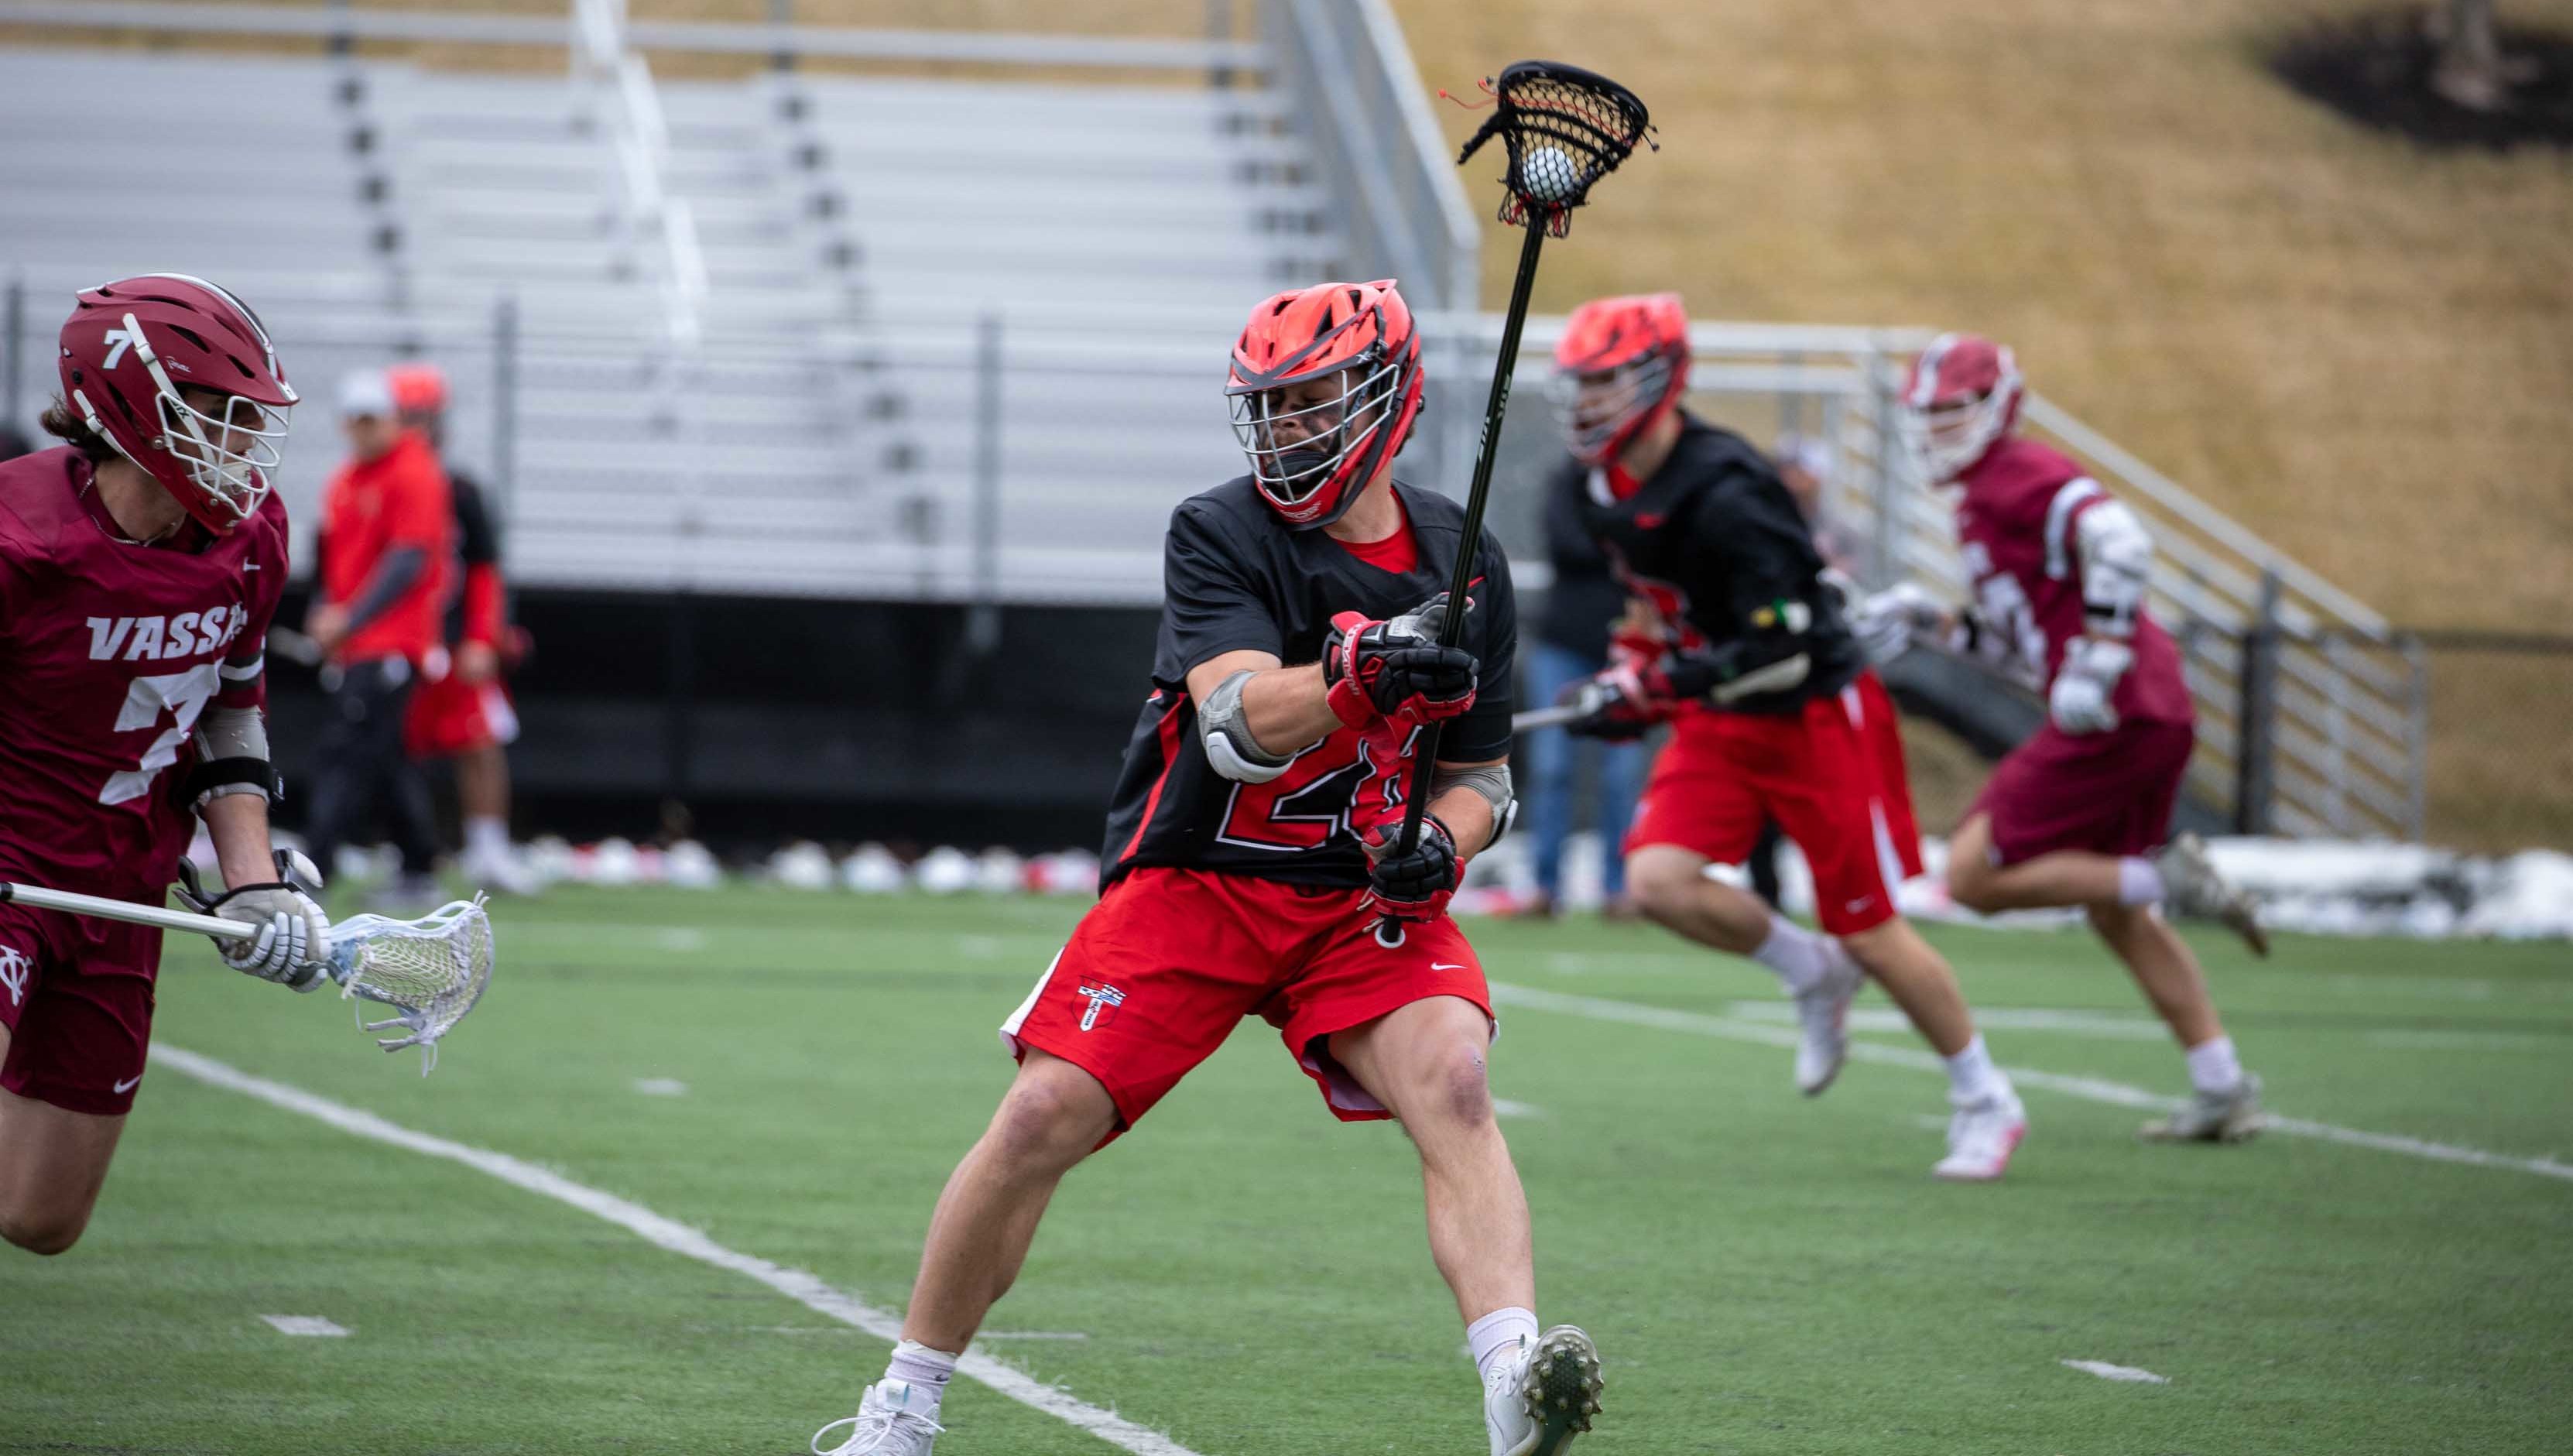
column 1980, row 1139
column 1822, row 1010
column 2232, row 1115
column 889, row 1422
column 507, row 874
column 2193, row 886
column 1536, row 1405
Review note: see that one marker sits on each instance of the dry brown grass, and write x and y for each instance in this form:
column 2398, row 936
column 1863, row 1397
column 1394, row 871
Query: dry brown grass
column 2364, row 350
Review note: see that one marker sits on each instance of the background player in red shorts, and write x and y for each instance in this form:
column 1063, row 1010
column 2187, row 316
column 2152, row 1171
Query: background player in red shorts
column 1735, row 638
column 1249, row 853
column 461, row 709
column 139, row 565
column 2080, row 813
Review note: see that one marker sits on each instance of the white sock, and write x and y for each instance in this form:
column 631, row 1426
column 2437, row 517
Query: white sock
column 487, row 835
column 2139, row 883
column 924, row 1370
column 1498, row 1336
column 2213, row 1067
column 1972, row 1077
column 1799, row 955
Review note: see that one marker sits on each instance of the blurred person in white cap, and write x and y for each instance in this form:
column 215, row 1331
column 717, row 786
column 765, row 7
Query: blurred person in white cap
column 380, row 579
column 464, row 714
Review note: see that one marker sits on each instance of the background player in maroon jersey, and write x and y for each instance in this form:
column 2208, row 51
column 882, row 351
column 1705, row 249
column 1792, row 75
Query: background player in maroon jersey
column 139, row 565
column 1249, row 848
column 1737, row 641
column 2080, row 813
column 462, row 710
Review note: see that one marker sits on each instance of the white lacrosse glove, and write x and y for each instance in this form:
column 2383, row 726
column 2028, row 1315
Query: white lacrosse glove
column 1886, row 622
column 2079, row 701
column 292, row 946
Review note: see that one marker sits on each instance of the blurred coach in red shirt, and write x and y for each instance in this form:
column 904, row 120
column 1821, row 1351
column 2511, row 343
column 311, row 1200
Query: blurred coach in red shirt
column 380, row 577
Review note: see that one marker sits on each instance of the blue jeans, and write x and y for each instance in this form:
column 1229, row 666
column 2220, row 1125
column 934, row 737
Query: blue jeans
column 1553, row 762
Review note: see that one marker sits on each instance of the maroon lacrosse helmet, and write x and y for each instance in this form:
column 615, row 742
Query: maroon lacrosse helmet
column 1359, row 334
column 130, row 346
column 1962, row 396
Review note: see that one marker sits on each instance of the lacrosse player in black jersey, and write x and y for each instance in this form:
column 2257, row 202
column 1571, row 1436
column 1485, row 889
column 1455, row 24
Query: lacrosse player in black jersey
column 1250, row 849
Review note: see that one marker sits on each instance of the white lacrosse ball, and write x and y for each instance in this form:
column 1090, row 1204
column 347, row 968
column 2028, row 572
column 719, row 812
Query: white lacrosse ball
column 1548, row 174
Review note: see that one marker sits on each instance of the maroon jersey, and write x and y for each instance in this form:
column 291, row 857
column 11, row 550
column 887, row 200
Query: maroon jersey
column 109, row 651
column 2015, row 528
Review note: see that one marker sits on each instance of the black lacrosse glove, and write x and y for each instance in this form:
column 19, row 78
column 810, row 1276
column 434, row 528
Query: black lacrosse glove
column 1375, row 670
column 1417, row 885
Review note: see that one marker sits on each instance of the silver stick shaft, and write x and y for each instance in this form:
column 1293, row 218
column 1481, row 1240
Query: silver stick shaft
column 123, row 910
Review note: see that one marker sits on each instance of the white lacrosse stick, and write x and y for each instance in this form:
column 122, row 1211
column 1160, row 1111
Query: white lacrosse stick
column 429, row 971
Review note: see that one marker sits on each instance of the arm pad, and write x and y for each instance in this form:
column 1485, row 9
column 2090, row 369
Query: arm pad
column 1229, row 748
column 232, row 756
column 1492, row 781
column 2117, row 554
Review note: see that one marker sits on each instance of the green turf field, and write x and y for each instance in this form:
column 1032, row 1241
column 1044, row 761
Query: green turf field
column 1763, row 1274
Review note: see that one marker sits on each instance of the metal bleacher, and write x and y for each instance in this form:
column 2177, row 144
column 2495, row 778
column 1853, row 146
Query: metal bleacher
column 883, row 337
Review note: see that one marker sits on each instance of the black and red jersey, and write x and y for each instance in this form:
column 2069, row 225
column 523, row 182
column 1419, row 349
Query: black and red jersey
column 1715, row 545
column 1234, row 577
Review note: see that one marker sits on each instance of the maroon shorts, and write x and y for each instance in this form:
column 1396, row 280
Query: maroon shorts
column 450, row 717
column 1831, row 776
column 1170, row 961
column 76, row 996
column 2110, row 793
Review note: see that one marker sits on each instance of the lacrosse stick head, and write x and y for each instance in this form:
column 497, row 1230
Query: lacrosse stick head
column 1564, row 128
column 429, row 971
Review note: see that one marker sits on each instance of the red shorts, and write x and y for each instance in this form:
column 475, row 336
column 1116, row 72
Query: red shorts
column 1170, row 961
column 1831, row 776
column 452, row 716
column 76, row 996
column 2110, row 793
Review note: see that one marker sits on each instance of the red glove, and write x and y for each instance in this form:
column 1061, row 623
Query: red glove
column 1373, row 670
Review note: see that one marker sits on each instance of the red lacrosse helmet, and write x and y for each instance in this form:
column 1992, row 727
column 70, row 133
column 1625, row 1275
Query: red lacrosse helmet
column 1961, row 399
column 417, row 388
column 1621, row 362
column 131, row 345
column 1360, row 334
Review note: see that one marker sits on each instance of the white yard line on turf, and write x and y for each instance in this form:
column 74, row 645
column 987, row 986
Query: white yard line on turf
column 1599, row 1009
column 312, row 1325
column 2107, row 1372
column 805, row 1290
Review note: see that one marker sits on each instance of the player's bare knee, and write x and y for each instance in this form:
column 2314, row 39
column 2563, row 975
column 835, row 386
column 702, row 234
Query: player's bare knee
column 1972, row 884
column 1046, row 1121
column 1661, row 885
column 43, row 1232
column 1454, row 1087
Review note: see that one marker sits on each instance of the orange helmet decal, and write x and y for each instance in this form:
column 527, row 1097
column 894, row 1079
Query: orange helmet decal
column 1312, row 462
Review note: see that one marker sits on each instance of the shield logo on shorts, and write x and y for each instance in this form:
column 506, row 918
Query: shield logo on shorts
column 1104, row 1002
column 14, row 972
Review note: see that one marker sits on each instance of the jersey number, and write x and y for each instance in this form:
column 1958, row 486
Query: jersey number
column 1305, row 807
column 184, row 694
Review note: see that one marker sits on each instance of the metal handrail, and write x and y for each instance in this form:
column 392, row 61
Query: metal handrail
column 472, row 27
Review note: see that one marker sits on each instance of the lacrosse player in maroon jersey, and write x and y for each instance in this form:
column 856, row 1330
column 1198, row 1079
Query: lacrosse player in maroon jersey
column 2080, row 813
column 140, row 562
column 1736, row 639
column 1250, row 848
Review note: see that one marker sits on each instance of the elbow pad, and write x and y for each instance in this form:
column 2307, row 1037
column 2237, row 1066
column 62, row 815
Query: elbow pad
column 2117, row 554
column 232, row 757
column 1491, row 781
column 1229, row 748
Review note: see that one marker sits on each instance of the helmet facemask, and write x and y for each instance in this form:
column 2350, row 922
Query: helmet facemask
column 1303, row 439
column 1599, row 411
column 1963, row 396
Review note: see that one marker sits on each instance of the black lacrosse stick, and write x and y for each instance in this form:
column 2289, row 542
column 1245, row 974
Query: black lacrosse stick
column 1565, row 128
